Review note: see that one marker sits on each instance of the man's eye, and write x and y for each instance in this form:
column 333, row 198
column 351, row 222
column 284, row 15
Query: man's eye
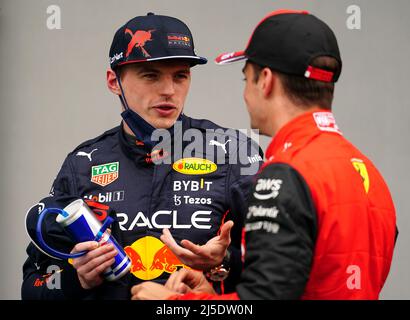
column 182, row 76
column 150, row 76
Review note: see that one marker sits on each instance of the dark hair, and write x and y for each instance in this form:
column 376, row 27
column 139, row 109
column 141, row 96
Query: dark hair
column 305, row 92
column 119, row 72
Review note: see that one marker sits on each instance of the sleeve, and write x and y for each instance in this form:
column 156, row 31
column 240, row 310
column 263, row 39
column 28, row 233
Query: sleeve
column 43, row 276
column 239, row 185
column 280, row 233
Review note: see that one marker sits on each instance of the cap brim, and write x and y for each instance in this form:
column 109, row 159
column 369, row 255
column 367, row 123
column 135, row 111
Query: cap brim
column 230, row 57
column 193, row 59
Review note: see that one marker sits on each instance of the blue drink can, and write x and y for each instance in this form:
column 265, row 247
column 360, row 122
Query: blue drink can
column 82, row 225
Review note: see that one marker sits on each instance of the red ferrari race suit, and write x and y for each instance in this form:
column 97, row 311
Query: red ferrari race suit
column 321, row 222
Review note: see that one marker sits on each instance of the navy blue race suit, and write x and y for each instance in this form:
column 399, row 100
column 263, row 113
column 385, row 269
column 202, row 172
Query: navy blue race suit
column 118, row 175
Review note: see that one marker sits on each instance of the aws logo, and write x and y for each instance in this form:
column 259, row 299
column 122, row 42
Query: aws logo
column 194, row 166
column 360, row 167
column 150, row 258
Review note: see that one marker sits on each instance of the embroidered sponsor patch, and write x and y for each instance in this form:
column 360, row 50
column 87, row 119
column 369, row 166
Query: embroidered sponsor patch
column 325, row 121
column 267, row 188
column 267, row 226
column 109, row 196
column 194, row 166
column 179, row 40
column 150, row 258
column 360, row 167
column 105, row 174
column 261, row 212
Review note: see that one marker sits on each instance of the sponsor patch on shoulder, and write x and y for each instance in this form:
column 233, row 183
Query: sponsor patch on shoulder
column 325, row 121
column 361, row 169
column 272, row 186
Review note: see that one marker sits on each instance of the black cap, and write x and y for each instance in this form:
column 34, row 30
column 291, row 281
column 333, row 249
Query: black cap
column 153, row 37
column 287, row 41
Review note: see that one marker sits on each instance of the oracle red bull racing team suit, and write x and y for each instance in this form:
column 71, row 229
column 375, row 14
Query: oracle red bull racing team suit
column 191, row 195
column 321, row 222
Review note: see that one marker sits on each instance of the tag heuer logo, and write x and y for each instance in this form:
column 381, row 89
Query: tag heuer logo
column 104, row 174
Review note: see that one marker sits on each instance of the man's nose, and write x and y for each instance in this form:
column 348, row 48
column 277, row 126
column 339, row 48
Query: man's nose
column 168, row 86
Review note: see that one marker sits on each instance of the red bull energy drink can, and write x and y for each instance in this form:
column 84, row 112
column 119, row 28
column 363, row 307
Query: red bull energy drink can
column 82, row 224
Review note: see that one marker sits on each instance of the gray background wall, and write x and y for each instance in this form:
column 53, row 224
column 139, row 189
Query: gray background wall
column 53, row 94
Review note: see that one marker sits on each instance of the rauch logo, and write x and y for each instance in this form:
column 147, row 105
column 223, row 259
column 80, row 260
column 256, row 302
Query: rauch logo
column 194, row 166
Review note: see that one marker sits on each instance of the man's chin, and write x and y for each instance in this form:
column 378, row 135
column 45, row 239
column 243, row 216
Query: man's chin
column 256, row 128
column 164, row 123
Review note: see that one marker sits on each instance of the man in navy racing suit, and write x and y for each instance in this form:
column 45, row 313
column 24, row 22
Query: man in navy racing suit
column 196, row 178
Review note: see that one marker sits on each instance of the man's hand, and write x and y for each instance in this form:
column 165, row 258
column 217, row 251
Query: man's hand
column 184, row 281
column 150, row 291
column 202, row 257
column 90, row 266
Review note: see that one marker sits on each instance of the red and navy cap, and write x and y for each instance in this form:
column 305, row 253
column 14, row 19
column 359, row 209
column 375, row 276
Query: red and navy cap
column 287, row 41
column 150, row 38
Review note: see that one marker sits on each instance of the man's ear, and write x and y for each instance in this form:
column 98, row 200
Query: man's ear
column 268, row 79
column 112, row 82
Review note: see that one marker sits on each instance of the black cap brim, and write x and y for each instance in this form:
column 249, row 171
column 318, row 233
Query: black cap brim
column 193, row 60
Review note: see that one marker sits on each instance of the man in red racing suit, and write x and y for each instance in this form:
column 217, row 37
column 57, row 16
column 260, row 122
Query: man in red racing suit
column 321, row 222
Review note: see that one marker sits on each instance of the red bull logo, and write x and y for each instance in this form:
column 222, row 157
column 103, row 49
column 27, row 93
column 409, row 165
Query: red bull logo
column 136, row 261
column 150, row 258
column 138, row 40
column 165, row 260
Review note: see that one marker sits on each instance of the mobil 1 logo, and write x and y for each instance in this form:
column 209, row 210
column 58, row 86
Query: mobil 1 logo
column 109, row 196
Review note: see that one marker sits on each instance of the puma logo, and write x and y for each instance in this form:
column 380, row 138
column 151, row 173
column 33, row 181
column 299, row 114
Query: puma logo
column 218, row 144
column 85, row 154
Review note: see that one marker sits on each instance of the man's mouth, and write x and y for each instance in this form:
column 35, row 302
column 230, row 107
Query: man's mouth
column 165, row 108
